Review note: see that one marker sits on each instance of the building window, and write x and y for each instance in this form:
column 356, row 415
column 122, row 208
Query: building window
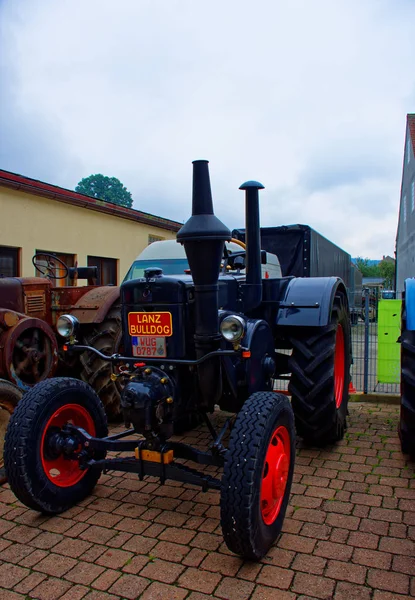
column 408, row 150
column 413, row 195
column 56, row 271
column 107, row 269
column 154, row 238
column 9, row 261
column 404, row 209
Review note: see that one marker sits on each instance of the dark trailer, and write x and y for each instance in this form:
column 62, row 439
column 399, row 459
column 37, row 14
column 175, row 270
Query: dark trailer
column 303, row 252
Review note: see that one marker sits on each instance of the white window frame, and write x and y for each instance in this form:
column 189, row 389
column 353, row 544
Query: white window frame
column 404, row 209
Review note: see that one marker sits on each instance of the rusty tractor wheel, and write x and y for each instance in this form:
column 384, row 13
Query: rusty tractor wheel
column 30, row 352
column 42, row 465
column 10, row 395
column 320, row 376
column 258, row 474
column 105, row 337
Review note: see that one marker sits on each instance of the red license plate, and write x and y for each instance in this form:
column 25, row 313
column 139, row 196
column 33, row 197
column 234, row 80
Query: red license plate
column 155, row 324
column 149, row 346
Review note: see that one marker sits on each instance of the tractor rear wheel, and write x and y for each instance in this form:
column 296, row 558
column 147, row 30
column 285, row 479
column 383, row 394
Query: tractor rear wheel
column 407, row 418
column 105, row 337
column 10, row 395
column 320, row 377
column 42, row 472
column 257, row 475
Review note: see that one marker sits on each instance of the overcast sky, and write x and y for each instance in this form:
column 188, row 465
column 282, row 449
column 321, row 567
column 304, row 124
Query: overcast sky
column 308, row 96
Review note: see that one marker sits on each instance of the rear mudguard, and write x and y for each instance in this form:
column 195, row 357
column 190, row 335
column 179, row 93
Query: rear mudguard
column 308, row 301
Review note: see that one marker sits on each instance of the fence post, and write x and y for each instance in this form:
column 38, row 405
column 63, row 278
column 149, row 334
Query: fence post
column 366, row 350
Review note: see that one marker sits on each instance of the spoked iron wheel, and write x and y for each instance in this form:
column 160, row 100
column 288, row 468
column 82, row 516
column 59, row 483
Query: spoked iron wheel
column 41, row 458
column 258, row 474
column 32, row 356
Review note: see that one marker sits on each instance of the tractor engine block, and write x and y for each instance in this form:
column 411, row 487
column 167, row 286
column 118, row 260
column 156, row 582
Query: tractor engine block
column 147, row 403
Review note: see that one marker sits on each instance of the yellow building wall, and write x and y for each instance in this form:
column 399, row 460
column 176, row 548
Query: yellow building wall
column 31, row 222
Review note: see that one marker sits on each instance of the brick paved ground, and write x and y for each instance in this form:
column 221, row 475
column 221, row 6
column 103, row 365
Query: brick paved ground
column 349, row 533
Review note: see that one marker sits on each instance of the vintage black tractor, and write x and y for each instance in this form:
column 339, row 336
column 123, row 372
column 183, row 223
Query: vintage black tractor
column 407, row 339
column 193, row 342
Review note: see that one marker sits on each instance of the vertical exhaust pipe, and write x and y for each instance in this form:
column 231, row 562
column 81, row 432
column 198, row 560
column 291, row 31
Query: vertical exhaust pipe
column 203, row 237
column 252, row 290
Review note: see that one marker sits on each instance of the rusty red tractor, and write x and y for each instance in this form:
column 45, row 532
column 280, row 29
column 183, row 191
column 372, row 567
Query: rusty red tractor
column 30, row 349
column 194, row 342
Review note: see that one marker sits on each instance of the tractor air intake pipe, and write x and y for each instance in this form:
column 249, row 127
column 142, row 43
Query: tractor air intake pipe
column 203, row 237
column 252, row 290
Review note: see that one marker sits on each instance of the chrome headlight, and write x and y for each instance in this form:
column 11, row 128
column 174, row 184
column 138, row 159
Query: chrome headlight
column 233, row 328
column 67, row 326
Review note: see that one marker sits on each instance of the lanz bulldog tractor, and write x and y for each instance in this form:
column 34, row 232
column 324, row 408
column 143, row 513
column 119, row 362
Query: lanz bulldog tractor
column 193, row 342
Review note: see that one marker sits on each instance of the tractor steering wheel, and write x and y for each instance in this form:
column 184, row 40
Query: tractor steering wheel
column 46, row 265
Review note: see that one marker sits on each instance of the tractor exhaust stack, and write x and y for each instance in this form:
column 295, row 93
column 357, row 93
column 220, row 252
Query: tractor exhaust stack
column 252, row 290
column 203, row 237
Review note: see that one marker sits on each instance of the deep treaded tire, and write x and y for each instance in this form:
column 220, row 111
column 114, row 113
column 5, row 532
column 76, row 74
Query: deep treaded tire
column 320, row 377
column 407, row 419
column 264, row 425
column 25, row 455
column 105, row 337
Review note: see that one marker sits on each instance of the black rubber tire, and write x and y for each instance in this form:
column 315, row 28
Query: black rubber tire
column 407, row 416
column 244, row 529
column 318, row 420
column 22, row 457
column 105, row 337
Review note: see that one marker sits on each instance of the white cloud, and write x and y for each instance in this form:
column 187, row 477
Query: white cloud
column 308, row 97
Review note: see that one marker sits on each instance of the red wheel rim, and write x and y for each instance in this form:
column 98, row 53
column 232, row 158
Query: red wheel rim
column 339, row 362
column 275, row 474
column 62, row 471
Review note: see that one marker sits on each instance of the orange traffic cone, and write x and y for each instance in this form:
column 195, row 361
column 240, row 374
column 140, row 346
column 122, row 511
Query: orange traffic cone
column 352, row 389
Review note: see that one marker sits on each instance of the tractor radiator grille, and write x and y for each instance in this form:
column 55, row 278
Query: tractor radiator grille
column 35, row 303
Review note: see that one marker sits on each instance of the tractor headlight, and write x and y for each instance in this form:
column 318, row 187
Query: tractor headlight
column 67, row 326
column 233, row 328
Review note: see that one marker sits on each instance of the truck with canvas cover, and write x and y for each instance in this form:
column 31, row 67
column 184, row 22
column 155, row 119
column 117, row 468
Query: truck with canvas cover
column 192, row 343
column 303, row 252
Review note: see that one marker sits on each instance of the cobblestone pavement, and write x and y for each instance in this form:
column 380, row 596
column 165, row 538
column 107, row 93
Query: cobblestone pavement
column 349, row 533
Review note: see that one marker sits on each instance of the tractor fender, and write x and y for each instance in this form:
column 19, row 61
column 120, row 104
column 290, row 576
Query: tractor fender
column 93, row 306
column 308, row 301
column 410, row 304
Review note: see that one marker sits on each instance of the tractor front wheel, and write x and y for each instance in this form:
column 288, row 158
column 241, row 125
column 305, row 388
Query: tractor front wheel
column 258, row 474
column 42, row 466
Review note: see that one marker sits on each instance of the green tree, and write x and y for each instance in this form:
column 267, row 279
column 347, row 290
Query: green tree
column 105, row 188
column 387, row 271
column 366, row 269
